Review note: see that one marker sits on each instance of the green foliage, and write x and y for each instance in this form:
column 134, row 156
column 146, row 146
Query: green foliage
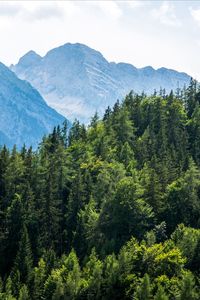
column 183, row 198
column 23, row 293
column 40, row 276
column 160, row 295
column 93, row 275
column 111, row 211
column 188, row 290
column 144, row 290
column 23, row 262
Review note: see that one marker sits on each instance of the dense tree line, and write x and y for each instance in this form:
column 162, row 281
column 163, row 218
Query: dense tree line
column 111, row 211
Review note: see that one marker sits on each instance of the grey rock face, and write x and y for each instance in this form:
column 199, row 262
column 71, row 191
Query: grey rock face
column 24, row 115
column 77, row 80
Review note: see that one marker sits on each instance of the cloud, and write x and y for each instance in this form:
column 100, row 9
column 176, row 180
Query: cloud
column 198, row 43
column 195, row 13
column 9, row 9
column 166, row 14
column 107, row 26
column 37, row 10
column 110, row 8
column 135, row 3
column 43, row 11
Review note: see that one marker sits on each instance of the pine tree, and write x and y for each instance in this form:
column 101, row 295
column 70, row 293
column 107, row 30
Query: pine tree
column 24, row 294
column 9, row 289
column 39, row 278
column 14, row 223
column 160, row 295
column 190, row 100
column 188, row 290
column 144, row 290
column 183, row 200
column 24, row 261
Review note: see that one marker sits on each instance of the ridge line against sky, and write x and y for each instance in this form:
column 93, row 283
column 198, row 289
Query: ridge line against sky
column 156, row 33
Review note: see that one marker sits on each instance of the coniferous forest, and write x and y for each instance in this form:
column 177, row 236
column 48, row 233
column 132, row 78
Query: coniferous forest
column 111, row 211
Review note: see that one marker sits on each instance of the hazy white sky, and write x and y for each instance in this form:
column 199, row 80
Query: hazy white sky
column 157, row 33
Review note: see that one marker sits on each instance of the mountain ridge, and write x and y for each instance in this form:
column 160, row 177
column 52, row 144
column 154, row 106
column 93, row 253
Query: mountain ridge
column 25, row 116
column 77, row 80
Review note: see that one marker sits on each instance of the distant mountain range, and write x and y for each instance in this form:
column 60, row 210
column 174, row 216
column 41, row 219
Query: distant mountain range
column 24, row 115
column 77, row 80
column 73, row 79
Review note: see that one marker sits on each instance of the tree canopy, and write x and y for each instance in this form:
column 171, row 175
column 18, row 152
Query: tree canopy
column 106, row 211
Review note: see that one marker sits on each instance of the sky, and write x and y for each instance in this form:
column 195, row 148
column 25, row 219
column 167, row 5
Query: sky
column 143, row 33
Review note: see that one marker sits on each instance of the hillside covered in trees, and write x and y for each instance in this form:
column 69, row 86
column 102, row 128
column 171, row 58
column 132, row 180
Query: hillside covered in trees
column 111, row 211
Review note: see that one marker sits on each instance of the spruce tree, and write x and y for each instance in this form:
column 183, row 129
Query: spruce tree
column 24, row 261
column 160, row 295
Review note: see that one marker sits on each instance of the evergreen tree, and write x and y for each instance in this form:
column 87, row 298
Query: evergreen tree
column 23, row 265
column 123, row 185
column 24, row 294
column 188, row 290
column 160, row 295
column 144, row 290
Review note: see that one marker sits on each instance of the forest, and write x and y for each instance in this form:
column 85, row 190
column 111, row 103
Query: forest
column 107, row 211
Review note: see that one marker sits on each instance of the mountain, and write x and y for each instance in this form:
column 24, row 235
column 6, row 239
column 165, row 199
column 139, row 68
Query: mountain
column 77, row 80
column 24, row 116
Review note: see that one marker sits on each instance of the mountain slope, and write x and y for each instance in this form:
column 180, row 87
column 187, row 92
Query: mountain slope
column 77, row 80
column 24, row 115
